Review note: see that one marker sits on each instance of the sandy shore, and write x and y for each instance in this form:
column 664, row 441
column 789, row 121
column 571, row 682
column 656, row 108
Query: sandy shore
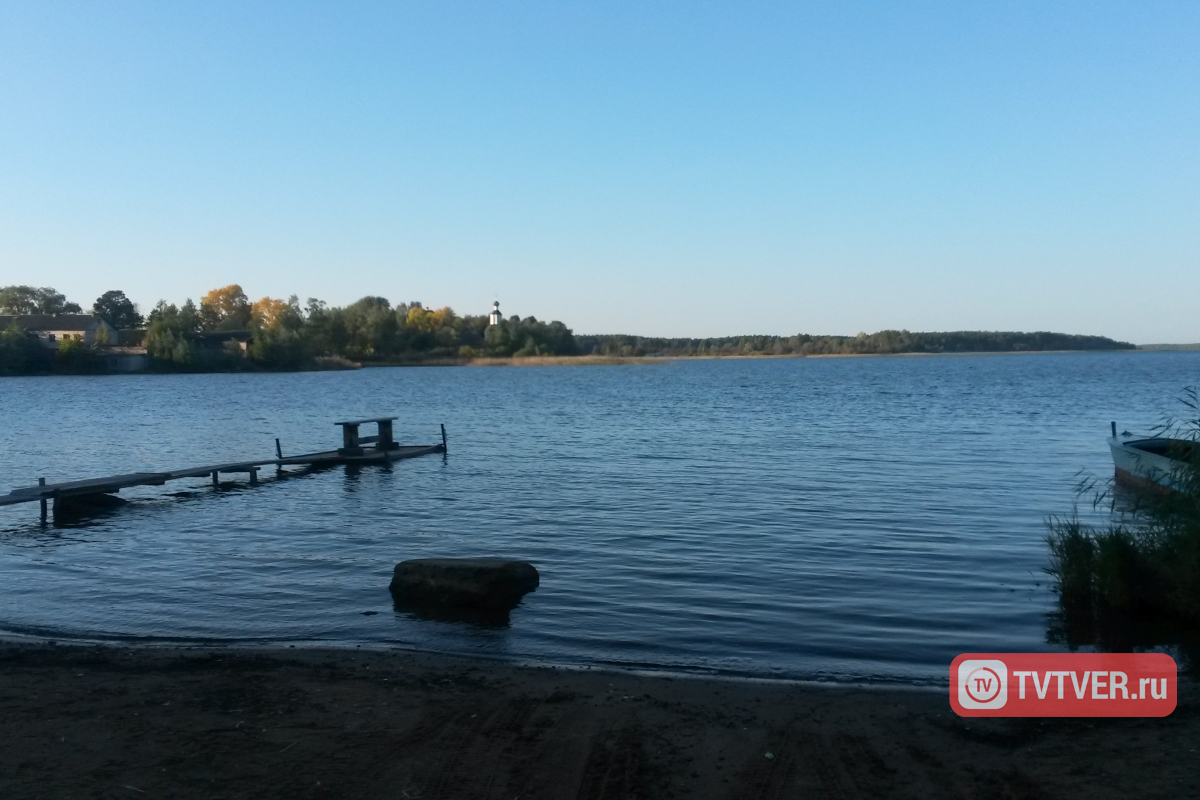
column 81, row 721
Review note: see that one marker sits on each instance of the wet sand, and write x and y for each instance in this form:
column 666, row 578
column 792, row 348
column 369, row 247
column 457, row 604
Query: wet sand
column 82, row 721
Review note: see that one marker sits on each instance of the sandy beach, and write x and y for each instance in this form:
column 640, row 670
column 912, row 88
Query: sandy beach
column 88, row 721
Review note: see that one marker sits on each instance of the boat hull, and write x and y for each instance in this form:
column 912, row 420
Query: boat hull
column 1139, row 467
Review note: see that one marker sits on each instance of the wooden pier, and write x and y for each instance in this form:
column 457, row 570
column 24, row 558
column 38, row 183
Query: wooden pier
column 355, row 450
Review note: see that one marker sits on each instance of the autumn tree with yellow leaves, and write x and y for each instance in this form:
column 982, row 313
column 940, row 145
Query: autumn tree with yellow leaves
column 225, row 309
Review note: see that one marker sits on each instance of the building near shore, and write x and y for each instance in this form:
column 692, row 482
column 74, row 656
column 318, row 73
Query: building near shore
column 53, row 329
column 124, row 359
column 495, row 317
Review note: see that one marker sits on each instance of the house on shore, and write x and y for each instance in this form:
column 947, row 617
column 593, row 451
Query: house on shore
column 52, row 329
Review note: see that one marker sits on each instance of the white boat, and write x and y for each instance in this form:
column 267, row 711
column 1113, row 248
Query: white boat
column 1152, row 461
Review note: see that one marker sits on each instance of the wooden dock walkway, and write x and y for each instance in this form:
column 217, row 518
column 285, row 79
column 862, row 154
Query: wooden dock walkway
column 355, row 450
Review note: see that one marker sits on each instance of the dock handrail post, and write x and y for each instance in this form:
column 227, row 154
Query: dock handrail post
column 253, row 476
column 443, row 437
column 216, row 480
column 1114, row 428
column 278, row 449
column 42, row 482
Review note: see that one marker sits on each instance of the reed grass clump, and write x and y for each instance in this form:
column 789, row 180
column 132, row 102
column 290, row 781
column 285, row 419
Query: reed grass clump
column 1146, row 560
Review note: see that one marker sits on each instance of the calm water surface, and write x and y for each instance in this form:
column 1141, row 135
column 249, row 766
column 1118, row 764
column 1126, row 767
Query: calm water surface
column 819, row 518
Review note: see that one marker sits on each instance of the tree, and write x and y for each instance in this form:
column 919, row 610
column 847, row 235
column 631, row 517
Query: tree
column 21, row 354
column 171, row 335
column 118, row 310
column 420, row 319
column 529, row 337
column 279, row 348
column 186, row 317
column 273, row 314
column 20, row 300
column 70, row 348
column 225, row 309
column 370, row 328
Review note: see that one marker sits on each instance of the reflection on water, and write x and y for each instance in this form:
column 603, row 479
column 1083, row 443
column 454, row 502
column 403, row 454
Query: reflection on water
column 482, row 617
column 821, row 518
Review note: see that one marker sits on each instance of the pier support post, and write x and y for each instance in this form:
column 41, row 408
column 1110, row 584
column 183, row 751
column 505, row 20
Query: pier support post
column 443, row 437
column 216, row 481
column 42, row 482
column 253, row 476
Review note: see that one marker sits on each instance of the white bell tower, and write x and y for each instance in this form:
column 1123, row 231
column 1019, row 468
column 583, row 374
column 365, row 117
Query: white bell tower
column 495, row 317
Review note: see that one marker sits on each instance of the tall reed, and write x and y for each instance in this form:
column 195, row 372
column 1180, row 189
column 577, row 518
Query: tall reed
column 1147, row 558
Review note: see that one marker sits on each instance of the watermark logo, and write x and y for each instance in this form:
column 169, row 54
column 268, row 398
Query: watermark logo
column 982, row 683
column 1063, row 685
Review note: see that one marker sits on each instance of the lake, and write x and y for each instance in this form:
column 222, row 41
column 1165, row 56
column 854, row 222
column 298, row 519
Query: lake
column 820, row 518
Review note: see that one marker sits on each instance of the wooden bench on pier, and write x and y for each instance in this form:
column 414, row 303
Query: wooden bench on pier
column 352, row 443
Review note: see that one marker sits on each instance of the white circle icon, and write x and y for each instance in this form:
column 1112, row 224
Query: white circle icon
column 982, row 684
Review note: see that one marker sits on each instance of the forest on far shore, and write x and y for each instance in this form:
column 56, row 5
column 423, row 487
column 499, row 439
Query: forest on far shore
column 881, row 343
column 227, row 331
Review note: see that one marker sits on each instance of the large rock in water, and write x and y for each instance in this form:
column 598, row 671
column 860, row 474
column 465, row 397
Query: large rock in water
column 483, row 584
column 76, row 506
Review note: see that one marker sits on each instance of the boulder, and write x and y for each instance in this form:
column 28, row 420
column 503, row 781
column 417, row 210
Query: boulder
column 83, row 505
column 484, row 584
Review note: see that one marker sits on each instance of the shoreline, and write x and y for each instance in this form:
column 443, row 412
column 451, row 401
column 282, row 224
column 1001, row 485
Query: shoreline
column 110, row 720
column 236, row 647
column 595, row 360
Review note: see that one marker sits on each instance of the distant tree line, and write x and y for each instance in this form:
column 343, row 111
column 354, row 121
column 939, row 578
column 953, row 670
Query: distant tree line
column 286, row 335
column 881, row 343
column 228, row 331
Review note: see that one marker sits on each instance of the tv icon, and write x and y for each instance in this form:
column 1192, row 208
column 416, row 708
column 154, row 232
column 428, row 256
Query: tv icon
column 983, row 684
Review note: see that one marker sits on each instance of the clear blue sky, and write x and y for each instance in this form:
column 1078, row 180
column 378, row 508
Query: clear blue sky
column 656, row 168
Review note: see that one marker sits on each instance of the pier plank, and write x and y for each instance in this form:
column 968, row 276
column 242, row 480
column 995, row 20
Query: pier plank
column 235, row 466
column 92, row 485
column 387, row 451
